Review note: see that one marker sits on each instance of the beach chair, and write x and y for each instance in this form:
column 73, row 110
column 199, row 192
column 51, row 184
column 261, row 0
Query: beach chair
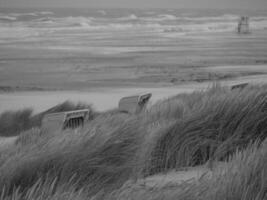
column 134, row 104
column 65, row 120
column 239, row 86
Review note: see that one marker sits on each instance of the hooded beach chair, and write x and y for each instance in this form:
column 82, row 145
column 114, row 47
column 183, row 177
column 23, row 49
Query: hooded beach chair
column 134, row 104
column 65, row 120
column 239, row 86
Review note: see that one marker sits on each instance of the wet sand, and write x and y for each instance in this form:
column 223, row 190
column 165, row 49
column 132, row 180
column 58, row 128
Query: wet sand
column 38, row 76
column 102, row 99
column 164, row 59
column 107, row 98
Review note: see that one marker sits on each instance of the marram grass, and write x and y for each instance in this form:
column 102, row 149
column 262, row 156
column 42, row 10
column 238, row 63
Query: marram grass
column 116, row 151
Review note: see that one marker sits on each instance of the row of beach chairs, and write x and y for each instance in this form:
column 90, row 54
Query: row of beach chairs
column 75, row 119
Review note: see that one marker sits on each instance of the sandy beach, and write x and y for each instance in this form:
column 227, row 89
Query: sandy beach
column 107, row 98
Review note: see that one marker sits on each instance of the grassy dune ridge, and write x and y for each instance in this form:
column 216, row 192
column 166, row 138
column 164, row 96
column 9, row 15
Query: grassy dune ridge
column 116, row 150
column 210, row 127
column 13, row 123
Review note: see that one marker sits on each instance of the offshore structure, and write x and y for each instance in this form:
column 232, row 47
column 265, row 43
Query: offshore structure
column 243, row 25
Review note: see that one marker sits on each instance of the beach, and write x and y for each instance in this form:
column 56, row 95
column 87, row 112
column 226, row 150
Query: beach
column 97, row 56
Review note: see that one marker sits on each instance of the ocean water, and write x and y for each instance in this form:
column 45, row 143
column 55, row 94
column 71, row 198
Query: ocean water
column 76, row 29
column 80, row 49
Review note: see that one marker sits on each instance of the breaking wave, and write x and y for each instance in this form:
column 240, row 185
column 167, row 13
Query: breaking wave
column 167, row 17
column 11, row 25
column 7, row 18
column 226, row 17
column 102, row 12
column 207, row 27
column 18, row 16
column 222, row 23
column 39, row 13
column 130, row 17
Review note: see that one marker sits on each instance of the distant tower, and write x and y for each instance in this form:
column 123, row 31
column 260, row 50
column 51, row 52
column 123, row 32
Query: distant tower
column 243, row 25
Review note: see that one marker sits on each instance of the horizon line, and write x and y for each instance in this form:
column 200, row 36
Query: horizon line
column 139, row 8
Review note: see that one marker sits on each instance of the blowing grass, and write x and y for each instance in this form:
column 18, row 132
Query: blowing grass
column 243, row 177
column 114, row 150
column 106, row 161
column 210, row 128
column 12, row 123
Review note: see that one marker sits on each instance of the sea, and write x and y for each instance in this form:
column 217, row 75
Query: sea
column 76, row 29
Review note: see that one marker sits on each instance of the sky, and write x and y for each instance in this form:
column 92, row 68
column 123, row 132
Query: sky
column 243, row 4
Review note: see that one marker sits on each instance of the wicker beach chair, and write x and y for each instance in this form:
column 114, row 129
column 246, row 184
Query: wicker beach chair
column 65, row 120
column 134, row 104
column 239, row 86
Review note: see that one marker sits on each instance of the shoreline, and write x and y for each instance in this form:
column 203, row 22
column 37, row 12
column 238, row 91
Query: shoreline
column 204, row 75
column 106, row 98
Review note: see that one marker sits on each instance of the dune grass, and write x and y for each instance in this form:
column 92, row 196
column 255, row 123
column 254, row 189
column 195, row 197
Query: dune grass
column 115, row 149
column 209, row 128
column 244, row 177
column 12, row 123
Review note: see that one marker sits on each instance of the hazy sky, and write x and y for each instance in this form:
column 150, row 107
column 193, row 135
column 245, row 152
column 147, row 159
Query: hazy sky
column 255, row 4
